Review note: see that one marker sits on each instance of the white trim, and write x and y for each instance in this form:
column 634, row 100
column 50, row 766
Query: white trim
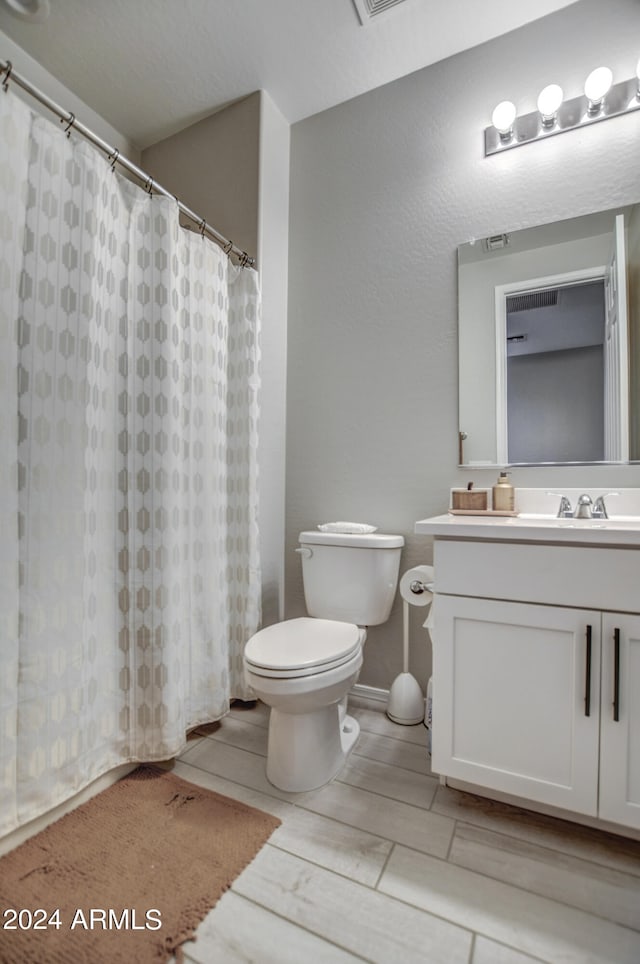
column 617, row 360
column 369, row 693
column 597, row 273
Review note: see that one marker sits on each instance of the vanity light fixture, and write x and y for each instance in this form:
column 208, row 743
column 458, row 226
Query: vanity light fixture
column 34, row 10
column 596, row 87
column 549, row 101
column 503, row 118
column 601, row 100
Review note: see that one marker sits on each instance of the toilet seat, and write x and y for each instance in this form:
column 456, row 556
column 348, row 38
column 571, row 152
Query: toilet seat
column 301, row 647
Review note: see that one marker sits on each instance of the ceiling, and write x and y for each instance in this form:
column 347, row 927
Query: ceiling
column 153, row 67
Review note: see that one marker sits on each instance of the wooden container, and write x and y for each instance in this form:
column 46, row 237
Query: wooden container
column 470, row 499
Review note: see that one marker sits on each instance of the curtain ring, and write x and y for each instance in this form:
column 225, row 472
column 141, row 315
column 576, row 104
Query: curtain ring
column 7, row 75
column 113, row 158
column 70, row 122
column 148, row 186
column 244, row 259
column 203, row 227
column 228, row 248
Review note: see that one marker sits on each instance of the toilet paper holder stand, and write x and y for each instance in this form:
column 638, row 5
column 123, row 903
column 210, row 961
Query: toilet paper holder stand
column 406, row 702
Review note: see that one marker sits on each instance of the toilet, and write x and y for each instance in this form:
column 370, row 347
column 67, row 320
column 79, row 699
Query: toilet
column 304, row 668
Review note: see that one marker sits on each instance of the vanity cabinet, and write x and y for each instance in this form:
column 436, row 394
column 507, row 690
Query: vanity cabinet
column 536, row 668
column 620, row 720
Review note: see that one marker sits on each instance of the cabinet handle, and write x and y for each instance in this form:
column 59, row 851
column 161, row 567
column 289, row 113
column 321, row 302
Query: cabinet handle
column 616, row 674
column 587, row 676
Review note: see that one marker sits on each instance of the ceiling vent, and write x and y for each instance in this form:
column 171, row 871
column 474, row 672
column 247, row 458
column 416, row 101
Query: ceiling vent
column 547, row 298
column 368, row 10
column 496, row 242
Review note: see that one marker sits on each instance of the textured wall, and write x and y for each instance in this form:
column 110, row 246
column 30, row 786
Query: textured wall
column 213, row 168
column 36, row 74
column 383, row 189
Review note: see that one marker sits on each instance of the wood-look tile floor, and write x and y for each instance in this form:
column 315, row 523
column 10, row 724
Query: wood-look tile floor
column 385, row 865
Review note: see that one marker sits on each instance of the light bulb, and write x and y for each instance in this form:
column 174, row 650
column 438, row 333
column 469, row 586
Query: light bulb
column 549, row 101
column 34, row 10
column 596, row 87
column 503, row 118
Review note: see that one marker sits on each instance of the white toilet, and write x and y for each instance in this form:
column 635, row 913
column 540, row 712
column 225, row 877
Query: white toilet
column 304, row 668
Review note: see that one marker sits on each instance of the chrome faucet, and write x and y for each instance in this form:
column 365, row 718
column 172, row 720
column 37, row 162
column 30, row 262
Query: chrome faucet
column 564, row 510
column 584, row 507
column 599, row 508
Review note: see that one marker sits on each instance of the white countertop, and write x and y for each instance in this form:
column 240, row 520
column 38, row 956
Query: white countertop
column 532, row 527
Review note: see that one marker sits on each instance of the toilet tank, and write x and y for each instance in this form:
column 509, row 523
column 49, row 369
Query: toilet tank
column 352, row 578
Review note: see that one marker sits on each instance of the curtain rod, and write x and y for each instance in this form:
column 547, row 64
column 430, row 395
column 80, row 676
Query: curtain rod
column 150, row 185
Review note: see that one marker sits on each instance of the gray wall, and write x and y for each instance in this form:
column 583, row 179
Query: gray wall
column 33, row 72
column 213, row 168
column 383, row 189
column 273, row 232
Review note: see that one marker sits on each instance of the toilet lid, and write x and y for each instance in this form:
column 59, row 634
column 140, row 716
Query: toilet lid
column 302, row 646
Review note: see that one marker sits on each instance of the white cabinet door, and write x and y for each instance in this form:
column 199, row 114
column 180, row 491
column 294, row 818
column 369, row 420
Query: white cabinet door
column 620, row 720
column 515, row 701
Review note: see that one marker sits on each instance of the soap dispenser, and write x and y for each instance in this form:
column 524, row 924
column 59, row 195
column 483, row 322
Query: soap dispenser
column 503, row 494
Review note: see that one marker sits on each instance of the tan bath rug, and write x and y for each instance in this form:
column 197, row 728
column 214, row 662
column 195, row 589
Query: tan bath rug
column 127, row 876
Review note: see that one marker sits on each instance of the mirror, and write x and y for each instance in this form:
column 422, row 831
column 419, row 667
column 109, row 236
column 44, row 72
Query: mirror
column 548, row 334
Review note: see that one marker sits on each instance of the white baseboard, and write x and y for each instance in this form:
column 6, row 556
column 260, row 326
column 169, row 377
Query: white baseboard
column 370, row 693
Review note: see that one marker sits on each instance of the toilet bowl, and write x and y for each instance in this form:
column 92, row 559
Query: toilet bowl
column 304, row 668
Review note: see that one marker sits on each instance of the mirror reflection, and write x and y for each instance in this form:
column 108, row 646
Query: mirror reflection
column 549, row 321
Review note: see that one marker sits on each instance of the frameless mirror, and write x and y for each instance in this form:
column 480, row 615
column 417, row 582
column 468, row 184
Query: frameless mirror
column 549, row 331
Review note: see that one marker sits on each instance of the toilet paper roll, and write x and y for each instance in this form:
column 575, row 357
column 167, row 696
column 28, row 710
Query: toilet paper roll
column 419, row 577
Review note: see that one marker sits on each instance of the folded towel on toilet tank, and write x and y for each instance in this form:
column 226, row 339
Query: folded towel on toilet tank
column 360, row 528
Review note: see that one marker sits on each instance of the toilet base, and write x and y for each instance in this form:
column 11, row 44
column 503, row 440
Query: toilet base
column 306, row 750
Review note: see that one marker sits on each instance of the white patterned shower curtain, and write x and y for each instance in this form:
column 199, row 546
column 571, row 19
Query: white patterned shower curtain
column 129, row 568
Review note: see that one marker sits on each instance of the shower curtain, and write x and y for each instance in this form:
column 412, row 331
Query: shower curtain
column 129, row 375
